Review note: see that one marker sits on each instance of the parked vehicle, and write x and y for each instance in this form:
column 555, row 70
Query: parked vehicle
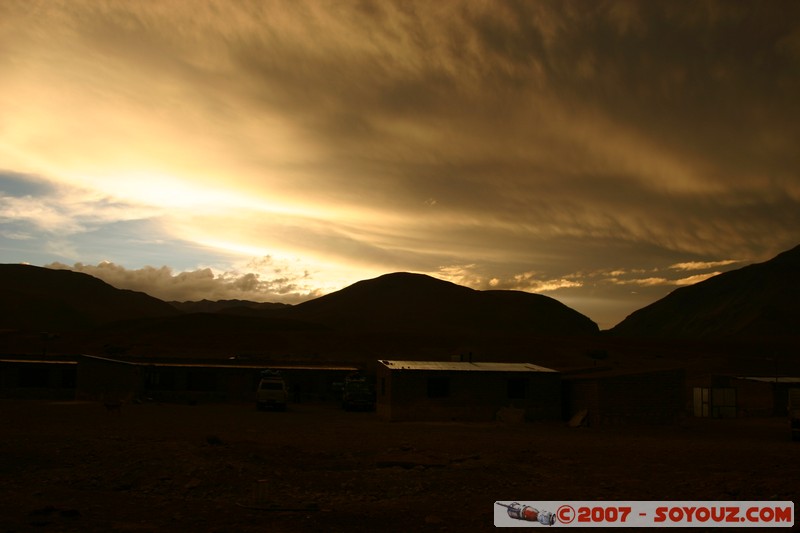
column 358, row 394
column 272, row 392
column 794, row 413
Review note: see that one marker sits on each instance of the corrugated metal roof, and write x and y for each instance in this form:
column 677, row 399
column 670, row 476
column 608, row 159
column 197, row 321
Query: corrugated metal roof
column 210, row 364
column 262, row 366
column 39, row 361
column 458, row 366
column 780, row 379
column 251, row 367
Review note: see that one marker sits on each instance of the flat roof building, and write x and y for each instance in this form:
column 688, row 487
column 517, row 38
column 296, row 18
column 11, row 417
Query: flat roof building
column 466, row 391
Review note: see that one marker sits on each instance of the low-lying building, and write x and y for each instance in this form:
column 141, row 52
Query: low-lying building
column 625, row 397
column 723, row 396
column 88, row 377
column 101, row 378
column 37, row 378
column 466, row 391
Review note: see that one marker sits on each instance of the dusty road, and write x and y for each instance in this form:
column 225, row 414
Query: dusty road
column 69, row 466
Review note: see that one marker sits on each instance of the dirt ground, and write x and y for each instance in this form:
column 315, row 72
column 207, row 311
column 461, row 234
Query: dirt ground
column 74, row 466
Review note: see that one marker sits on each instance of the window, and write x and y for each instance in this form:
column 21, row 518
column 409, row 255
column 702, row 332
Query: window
column 34, row 376
column 201, row 381
column 69, row 377
column 160, row 379
column 438, row 387
column 701, row 401
column 723, row 403
column 716, row 402
column 517, row 388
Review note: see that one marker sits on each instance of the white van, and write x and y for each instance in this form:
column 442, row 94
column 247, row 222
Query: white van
column 272, row 392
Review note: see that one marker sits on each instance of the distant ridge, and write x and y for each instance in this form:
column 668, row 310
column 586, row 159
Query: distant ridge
column 232, row 307
column 759, row 300
column 415, row 302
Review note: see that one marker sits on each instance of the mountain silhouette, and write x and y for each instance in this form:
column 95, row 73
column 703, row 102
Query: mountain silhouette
column 230, row 307
column 401, row 311
column 42, row 299
column 416, row 302
column 759, row 300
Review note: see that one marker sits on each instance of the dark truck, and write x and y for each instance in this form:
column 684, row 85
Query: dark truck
column 358, row 394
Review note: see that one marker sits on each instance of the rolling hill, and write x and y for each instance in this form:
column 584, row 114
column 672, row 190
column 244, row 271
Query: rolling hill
column 757, row 301
column 406, row 311
column 42, row 299
column 416, row 302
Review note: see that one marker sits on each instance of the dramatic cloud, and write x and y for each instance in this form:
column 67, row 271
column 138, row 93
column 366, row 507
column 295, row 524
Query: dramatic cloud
column 204, row 283
column 502, row 144
column 652, row 282
column 702, row 265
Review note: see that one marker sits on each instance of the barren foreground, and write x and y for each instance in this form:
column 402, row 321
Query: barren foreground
column 72, row 466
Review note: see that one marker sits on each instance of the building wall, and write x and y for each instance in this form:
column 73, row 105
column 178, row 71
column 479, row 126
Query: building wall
column 383, row 392
column 754, row 398
column 314, row 385
column 104, row 379
column 646, row 398
column 37, row 379
column 198, row 384
column 107, row 379
column 465, row 396
column 181, row 384
column 580, row 395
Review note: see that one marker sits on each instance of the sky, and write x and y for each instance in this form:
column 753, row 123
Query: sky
column 602, row 153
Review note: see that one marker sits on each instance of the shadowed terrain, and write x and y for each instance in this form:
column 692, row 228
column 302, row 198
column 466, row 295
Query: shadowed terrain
column 757, row 301
column 72, row 466
column 41, row 299
column 733, row 318
column 75, row 466
column 415, row 302
column 405, row 312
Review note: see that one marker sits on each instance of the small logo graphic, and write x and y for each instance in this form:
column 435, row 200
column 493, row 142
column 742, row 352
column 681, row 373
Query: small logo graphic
column 651, row 513
column 528, row 513
column 565, row 514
